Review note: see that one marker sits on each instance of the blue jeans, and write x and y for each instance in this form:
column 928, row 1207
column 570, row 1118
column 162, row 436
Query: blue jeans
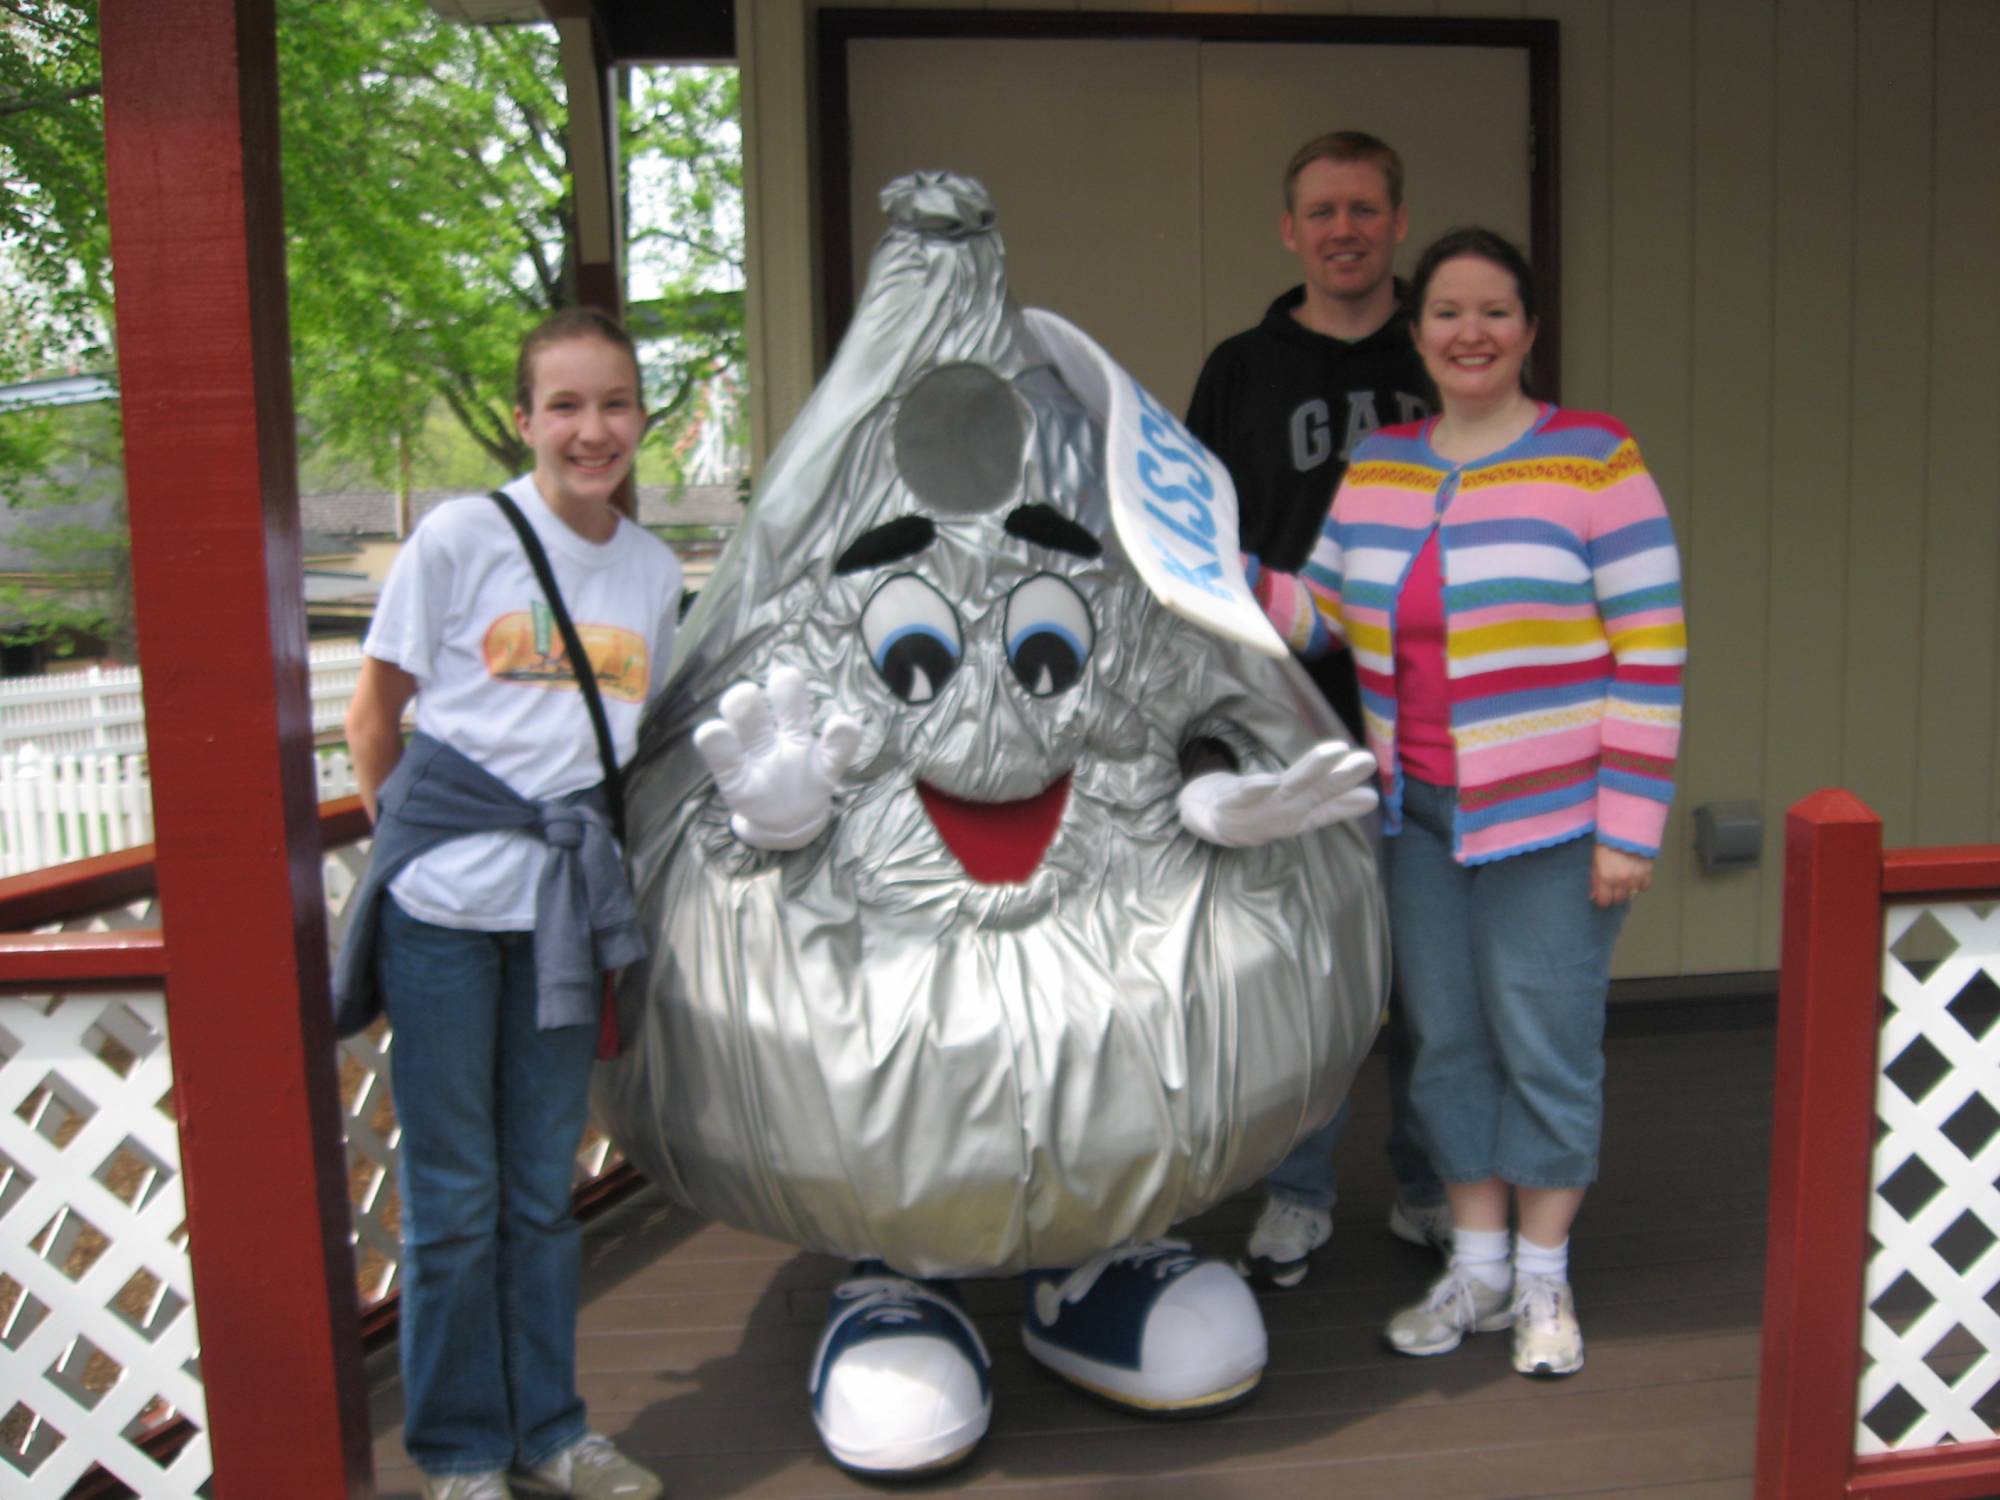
column 1306, row 1175
column 491, row 1110
column 1504, row 968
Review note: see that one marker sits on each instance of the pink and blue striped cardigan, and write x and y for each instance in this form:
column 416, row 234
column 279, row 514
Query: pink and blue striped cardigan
column 1564, row 635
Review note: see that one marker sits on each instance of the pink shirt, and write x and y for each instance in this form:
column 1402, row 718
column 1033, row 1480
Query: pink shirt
column 1423, row 702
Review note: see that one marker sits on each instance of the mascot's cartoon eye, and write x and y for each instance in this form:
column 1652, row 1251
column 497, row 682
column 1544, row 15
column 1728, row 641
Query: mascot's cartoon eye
column 912, row 637
column 1049, row 634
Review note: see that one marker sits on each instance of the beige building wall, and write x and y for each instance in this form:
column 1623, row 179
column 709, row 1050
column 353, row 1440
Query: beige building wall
column 1154, row 224
column 1781, row 268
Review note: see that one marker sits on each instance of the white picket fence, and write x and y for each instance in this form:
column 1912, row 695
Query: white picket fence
column 73, row 779
column 99, row 708
column 55, row 808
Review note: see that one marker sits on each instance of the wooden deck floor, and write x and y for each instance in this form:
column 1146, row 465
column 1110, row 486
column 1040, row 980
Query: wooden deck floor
column 695, row 1338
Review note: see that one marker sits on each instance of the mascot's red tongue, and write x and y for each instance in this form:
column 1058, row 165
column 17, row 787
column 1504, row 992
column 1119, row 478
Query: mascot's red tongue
column 998, row 843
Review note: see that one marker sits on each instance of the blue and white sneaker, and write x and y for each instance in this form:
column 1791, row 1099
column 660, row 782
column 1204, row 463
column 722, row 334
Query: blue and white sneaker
column 900, row 1384
column 1150, row 1327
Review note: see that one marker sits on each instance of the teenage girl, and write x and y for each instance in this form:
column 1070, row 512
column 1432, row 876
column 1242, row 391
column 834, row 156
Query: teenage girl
column 494, row 898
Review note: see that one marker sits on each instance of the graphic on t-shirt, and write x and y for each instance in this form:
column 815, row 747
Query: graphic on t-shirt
column 526, row 647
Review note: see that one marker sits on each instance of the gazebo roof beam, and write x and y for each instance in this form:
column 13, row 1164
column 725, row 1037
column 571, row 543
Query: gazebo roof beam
column 632, row 31
column 593, row 153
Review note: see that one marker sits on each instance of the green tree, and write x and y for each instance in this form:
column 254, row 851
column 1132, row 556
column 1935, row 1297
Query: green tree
column 55, row 278
column 59, row 469
column 64, row 565
column 428, row 219
column 686, row 247
column 429, row 222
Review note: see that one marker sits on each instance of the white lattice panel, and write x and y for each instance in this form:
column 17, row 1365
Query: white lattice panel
column 96, row 1298
column 1930, row 1329
column 368, row 1118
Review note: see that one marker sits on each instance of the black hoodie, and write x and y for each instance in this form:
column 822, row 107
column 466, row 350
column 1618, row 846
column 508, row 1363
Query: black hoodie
column 1283, row 407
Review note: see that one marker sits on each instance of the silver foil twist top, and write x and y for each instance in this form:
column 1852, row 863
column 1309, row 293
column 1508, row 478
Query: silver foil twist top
column 943, row 204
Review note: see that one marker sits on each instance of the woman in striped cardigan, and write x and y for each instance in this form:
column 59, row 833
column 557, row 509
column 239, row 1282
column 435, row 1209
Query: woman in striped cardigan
column 1506, row 577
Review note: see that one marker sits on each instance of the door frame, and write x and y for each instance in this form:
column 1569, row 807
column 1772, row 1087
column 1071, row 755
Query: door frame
column 1539, row 39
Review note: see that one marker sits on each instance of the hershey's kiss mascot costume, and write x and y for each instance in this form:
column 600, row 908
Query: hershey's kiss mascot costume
column 1055, row 931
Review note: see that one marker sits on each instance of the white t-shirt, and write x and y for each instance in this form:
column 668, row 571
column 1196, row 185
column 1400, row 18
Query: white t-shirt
column 463, row 614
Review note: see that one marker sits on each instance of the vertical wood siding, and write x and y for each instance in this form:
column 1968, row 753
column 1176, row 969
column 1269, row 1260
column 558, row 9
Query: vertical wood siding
column 1781, row 267
column 1889, row 369
column 1811, row 444
column 1725, row 544
column 1955, row 708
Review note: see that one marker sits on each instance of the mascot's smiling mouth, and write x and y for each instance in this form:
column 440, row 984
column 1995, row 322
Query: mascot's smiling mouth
column 998, row 843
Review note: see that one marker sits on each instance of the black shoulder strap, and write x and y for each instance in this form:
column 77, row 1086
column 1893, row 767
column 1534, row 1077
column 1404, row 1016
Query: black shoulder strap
column 586, row 674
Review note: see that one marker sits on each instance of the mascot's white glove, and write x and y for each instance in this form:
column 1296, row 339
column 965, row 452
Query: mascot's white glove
column 1330, row 783
column 776, row 777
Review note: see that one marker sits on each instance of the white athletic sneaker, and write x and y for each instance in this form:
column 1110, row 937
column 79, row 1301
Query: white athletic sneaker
column 1458, row 1303
column 591, row 1468
column 1286, row 1233
column 1548, row 1342
column 491, row 1485
column 1422, row 1224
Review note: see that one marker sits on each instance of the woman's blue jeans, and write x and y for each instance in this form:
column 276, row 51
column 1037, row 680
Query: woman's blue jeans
column 491, row 1110
column 1503, row 968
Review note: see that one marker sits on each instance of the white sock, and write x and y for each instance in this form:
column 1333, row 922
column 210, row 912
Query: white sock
column 1531, row 1259
column 1482, row 1254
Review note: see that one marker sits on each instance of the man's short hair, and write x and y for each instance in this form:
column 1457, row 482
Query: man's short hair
column 1348, row 145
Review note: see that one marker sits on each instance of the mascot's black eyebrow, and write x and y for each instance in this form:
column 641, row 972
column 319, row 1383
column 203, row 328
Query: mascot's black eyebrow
column 908, row 535
column 1046, row 526
column 902, row 537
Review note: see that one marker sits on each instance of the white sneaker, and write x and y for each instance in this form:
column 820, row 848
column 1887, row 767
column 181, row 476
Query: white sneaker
column 592, row 1469
column 1458, row 1303
column 1548, row 1342
column 1422, row 1224
column 901, row 1382
column 1150, row 1327
column 1286, row 1233
column 491, row 1485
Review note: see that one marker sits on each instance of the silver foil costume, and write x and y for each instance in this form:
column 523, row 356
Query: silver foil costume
column 856, row 1047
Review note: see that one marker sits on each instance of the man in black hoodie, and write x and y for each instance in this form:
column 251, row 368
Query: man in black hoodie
column 1283, row 405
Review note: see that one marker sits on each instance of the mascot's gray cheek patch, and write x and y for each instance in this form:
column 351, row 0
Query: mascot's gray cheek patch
column 959, row 436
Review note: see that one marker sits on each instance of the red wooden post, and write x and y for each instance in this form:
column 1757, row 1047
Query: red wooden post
column 191, row 137
column 1829, row 999
column 1962, row 1471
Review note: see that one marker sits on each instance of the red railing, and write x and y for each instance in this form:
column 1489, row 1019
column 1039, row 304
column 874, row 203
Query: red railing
column 1837, row 880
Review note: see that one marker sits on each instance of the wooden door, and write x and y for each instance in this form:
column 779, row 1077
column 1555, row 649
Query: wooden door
column 1139, row 179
